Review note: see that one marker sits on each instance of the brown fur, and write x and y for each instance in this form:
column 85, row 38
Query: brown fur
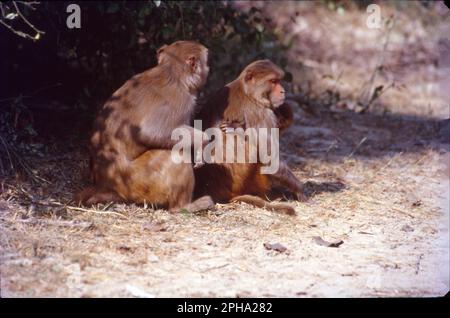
column 254, row 101
column 131, row 142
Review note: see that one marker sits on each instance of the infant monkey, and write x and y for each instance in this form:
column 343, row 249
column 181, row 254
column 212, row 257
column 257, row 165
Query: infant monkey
column 256, row 99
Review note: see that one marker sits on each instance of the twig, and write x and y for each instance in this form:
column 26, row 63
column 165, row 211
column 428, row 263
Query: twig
column 94, row 211
column 29, row 4
column 32, row 93
column 7, row 152
column 22, row 163
column 336, row 81
column 214, row 267
column 2, row 169
column 393, row 208
column 107, row 206
column 402, row 212
column 418, row 263
column 44, row 88
column 368, row 87
column 182, row 20
column 55, row 203
column 26, row 21
column 357, row 147
column 388, row 163
column 19, row 33
column 13, row 98
column 28, row 169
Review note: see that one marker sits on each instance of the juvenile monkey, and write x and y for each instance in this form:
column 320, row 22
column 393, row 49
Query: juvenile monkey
column 255, row 99
column 130, row 147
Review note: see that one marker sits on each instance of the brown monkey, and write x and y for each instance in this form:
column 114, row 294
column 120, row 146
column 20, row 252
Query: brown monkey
column 255, row 99
column 130, row 146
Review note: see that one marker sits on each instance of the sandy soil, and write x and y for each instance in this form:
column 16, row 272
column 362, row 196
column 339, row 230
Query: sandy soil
column 377, row 180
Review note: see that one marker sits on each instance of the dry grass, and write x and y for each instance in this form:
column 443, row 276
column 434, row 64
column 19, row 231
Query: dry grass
column 377, row 182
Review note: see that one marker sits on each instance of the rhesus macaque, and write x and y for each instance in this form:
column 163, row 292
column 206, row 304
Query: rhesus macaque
column 255, row 99
column 130, row 147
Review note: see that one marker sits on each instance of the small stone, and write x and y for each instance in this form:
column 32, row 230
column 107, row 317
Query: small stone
column 407, row 228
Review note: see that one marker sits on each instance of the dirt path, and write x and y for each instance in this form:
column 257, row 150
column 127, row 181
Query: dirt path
column 377, row 181
column 390, row 212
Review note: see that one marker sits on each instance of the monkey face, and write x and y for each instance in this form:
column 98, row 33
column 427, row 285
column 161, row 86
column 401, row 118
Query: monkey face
column 276, row 93
column 262, row 83
column 198, row 69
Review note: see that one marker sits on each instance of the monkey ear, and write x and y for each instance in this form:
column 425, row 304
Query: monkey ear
column 159, row 52
column 248, row 76
column 192, row 62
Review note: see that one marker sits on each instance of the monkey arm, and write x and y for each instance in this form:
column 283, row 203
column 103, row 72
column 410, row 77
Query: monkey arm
column 228, row 125
column 158, row 139
column 285, row 177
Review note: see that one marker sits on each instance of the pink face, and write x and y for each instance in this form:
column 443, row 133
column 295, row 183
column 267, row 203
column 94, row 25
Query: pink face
column 277, row 93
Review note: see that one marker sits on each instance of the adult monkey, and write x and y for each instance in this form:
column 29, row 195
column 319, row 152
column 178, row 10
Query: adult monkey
column 130, row 147
column 256, row 100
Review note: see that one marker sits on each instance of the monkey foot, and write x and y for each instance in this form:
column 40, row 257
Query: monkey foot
column 301, row 197
column 201, row 204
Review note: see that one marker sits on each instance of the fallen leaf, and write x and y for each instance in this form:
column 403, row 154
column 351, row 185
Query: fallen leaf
column 275, row 247
column 154, row 227
column 138, row 292
column 407, row 228
column 363, row 232
column 124, row 248
column 322, row 242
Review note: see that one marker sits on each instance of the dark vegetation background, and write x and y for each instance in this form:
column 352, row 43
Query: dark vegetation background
column 52, row 87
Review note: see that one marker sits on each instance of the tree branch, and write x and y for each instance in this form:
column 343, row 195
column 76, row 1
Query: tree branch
column 25, row 19
column 5, row 8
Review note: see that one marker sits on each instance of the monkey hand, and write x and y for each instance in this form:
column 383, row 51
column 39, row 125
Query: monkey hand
column 228, row 126
column 198, row 164
column 198, row 160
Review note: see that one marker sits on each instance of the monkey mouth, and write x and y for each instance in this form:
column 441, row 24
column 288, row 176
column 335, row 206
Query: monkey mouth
column 274, row 105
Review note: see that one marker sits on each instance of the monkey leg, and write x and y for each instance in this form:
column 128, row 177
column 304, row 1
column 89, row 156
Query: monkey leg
column 92, row 195
column 285, row 177
column 155, row 179
column 202, row 203
column 261, row 203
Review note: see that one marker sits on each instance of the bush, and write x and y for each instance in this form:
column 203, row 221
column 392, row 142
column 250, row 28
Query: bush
column 82, row 67
column 55, row 82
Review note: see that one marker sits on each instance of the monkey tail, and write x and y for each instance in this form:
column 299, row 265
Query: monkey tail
column 84, row 195
column 261, row 203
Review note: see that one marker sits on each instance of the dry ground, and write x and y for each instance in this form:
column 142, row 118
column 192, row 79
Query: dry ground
column 377, row 180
